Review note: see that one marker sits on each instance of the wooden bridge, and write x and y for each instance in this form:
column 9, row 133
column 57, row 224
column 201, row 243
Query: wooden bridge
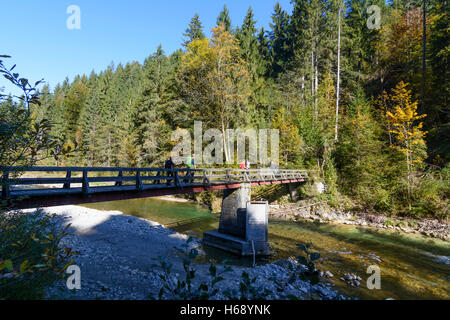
column 49, row 186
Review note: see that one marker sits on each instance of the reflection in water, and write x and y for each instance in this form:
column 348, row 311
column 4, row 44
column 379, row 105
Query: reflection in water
column 408, row 269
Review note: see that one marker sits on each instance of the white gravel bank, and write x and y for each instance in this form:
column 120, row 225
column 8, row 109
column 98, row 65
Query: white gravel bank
column 117, row 253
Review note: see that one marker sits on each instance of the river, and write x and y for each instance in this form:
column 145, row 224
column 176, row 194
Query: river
column 408, row 262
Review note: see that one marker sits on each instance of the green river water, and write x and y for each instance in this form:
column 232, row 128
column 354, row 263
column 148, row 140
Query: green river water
column 408, row 267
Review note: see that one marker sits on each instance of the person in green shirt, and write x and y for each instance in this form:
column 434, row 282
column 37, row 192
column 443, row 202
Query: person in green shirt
column 190, row 163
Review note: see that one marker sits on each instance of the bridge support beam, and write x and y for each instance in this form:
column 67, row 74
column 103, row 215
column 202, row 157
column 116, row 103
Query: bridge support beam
column 232, row 216
column 293, row 190
column 243, row 224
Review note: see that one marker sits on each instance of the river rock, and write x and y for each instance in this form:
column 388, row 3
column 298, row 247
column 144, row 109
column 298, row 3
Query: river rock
column 115, row 264
column 351, row 279
column 374, row 257
column 327, row 274
column 440, row 259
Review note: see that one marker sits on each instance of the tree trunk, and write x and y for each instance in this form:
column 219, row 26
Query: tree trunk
column 303, row 89
column 409, row 168
column 225, row 144
column 312, row 80
column 316, row 88
column 338, row 76
column 109, row 148
column 424, row 37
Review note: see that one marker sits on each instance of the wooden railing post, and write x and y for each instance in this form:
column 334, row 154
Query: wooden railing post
column 272, row 173
column 158, row 174
column 85, row 185
column 68, row 176
column 228, row 176
column 205, row 178
column 120, row 175
column 139, row 185
column 5, row 185
column 246, row 178
column 177, row 178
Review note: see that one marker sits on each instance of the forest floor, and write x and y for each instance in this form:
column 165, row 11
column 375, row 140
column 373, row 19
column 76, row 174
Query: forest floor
column 118, row 253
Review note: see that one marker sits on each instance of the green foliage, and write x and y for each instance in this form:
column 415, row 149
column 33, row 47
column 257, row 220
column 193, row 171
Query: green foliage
column 285, row 78
column 389, row 222
column 224, row 19
column 431, row 195
column 270, row 193
column 175, row 289
column 194, row 31
column 206, row 198
column 31, row 257
column 279, row 40
column 247, row 290
column 307, row 260
column 23, row 139
column 184, row 289
column 311, row 275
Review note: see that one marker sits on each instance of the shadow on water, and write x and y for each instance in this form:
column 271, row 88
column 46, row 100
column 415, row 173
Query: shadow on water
column 407, row 269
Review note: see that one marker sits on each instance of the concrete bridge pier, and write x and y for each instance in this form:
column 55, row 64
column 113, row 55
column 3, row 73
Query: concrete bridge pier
column 243, row 225
column 293, row 190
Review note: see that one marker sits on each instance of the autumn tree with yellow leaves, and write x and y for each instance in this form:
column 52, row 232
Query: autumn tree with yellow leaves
column 408, row 135
column 214, row 79
column 290, row 140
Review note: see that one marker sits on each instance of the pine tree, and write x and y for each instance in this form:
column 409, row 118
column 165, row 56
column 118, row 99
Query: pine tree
column 263, row 50
column 279, row 40
column 224, row 18
column 248, row 43
column 194, row 31
column 73, row 105
column 151, row 132
column 439, row 62
column 338, row 75
column 362, row 158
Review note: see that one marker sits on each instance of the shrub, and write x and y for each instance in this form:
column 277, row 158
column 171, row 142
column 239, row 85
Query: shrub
column 206, row 198
column 389, row 222
column 184, row 289
column 30, row 255
column 174, row 288
column 430, row 197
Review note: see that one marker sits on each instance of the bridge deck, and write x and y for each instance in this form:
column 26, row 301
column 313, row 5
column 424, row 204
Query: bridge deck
column 127, row 183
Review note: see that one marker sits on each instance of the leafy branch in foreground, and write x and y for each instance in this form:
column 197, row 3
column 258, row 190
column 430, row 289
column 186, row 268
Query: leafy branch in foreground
column 174, row 288
column 31, row 95
column 30, row 254
column 23, row 140
column 311, row 275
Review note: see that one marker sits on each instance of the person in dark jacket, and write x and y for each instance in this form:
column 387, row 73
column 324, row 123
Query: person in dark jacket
column 169, row 165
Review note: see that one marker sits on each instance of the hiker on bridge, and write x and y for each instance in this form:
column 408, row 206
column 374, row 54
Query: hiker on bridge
column 190, row 163
column 273, row 168
column 169, row 165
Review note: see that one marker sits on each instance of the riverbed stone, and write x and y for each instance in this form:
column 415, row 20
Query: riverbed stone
column 116, row 259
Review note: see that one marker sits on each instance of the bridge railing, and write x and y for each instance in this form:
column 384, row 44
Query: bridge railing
column 81, row 179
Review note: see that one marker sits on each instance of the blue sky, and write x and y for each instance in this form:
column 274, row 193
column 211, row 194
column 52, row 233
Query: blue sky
column 34, row 32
